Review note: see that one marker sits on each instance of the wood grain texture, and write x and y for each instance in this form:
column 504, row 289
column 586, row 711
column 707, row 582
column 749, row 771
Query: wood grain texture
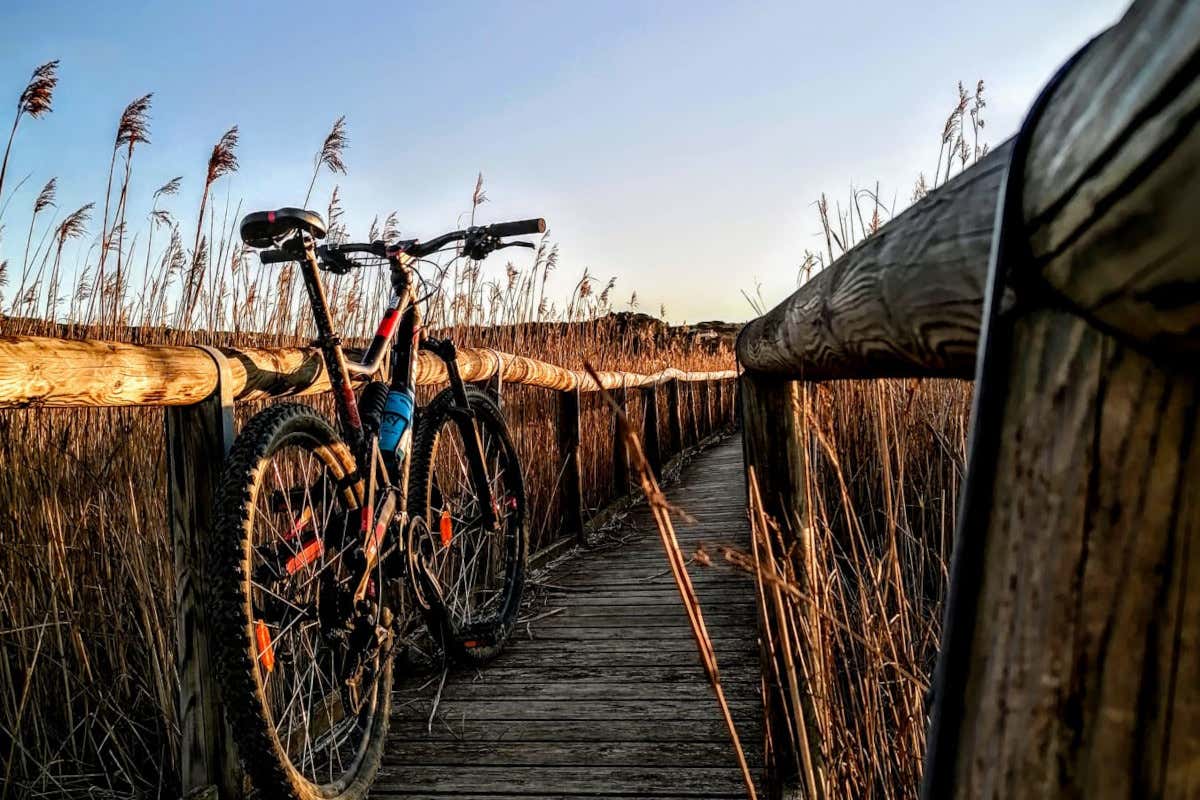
column 606, row 697
column 621, row 472
column 570, row 475
column 1111, row 184
column 1113, row 180
column 905, row 302
column 650, row 441
column 197, row 439
column 41, row 371
column 674, row 419
column 1087, row 644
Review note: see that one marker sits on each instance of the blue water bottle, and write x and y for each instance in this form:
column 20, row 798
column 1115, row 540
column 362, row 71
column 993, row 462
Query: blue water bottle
column 397, row 414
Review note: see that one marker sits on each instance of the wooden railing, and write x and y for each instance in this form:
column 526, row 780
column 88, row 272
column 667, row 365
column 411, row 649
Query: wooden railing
column 198, row 387
column 1071, row 643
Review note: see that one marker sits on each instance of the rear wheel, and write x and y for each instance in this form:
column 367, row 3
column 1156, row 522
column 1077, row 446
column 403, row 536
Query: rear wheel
column 469, row 578
column 304, row 668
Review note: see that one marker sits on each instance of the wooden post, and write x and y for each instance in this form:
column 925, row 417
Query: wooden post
column 568, row 449
column 706, row 426
column 620, row 453
column 674, row 425
column 197, row 439
column 773, row 444
column 650, row 441
column 693, row 417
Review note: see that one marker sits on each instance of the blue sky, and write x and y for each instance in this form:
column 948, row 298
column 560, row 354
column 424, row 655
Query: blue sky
column 677, row 146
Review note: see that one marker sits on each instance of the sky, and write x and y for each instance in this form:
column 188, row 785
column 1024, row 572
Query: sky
column 676, row 146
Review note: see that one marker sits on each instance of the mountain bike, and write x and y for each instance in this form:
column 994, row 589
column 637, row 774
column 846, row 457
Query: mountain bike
column 322, row 529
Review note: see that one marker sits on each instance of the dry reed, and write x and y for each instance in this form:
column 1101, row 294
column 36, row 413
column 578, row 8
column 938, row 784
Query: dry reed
column 87, row 657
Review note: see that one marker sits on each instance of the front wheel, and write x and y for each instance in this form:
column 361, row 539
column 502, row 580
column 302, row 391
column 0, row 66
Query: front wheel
column 469, row 577
column 304, row 666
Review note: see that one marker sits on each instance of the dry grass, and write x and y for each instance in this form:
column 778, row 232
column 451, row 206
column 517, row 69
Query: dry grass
column 87, row 661
column 87, row 657
column 853, row 588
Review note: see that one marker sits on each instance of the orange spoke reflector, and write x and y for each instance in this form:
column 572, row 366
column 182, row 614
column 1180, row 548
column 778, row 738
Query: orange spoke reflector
column 299, row 525
column 262, row 637
column 446, row 527
column 308, row 554
column 470, row 643
column 375, row 538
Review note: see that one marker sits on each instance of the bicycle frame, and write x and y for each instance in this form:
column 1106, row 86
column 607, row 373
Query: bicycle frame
column 401, row 328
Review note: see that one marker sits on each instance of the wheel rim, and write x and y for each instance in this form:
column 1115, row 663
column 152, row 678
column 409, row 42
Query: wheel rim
column 319, row 700
column 472, row 565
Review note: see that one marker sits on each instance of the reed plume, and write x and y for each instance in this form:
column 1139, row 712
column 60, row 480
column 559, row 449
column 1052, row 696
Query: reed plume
column 330, row 154
column 74, row 226
column 36, row 100
column 132, row 127
column 44, row 200
column 222, row 161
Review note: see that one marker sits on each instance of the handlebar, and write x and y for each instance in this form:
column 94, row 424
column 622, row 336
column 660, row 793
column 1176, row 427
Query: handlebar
column 481, row 240
column 519, row 228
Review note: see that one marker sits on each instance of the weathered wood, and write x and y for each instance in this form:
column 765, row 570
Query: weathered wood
column 39, row 371
column 904, row 302
column 774, row 439
column 571, row 496
column 197, row 439
column 674, row 423
column 1109, row 188
column 600, row 754
column 1113, row 180
column 774, row 442
column 1068, row 666
column 597, row 700
column 621, row 481
column 650, row 441
column 1086, row 643
column 706, row 416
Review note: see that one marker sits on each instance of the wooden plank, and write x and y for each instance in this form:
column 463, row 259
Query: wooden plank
column 502, row 672
column 688, row 781
column 556, row 753
column 611, row 682
column 582, row 691
column 463, row 727
column 197, row 439
column 734, row 660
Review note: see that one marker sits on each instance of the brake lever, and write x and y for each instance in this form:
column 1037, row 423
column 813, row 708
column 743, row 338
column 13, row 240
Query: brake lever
column 530, row 245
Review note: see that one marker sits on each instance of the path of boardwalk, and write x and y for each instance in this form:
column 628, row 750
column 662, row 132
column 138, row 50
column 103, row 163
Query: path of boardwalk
column 604, row 698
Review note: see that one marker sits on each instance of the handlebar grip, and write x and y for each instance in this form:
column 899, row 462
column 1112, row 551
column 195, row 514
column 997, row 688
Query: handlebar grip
column 275, row 256
column 519, row 228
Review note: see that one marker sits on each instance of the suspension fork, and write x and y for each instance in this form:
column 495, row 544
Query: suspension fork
column 464, row 417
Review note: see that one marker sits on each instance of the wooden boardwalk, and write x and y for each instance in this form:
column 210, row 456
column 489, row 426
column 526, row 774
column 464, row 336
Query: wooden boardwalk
column 605, row 698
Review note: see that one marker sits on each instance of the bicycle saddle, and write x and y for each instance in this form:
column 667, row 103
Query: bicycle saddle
column 267, row 228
